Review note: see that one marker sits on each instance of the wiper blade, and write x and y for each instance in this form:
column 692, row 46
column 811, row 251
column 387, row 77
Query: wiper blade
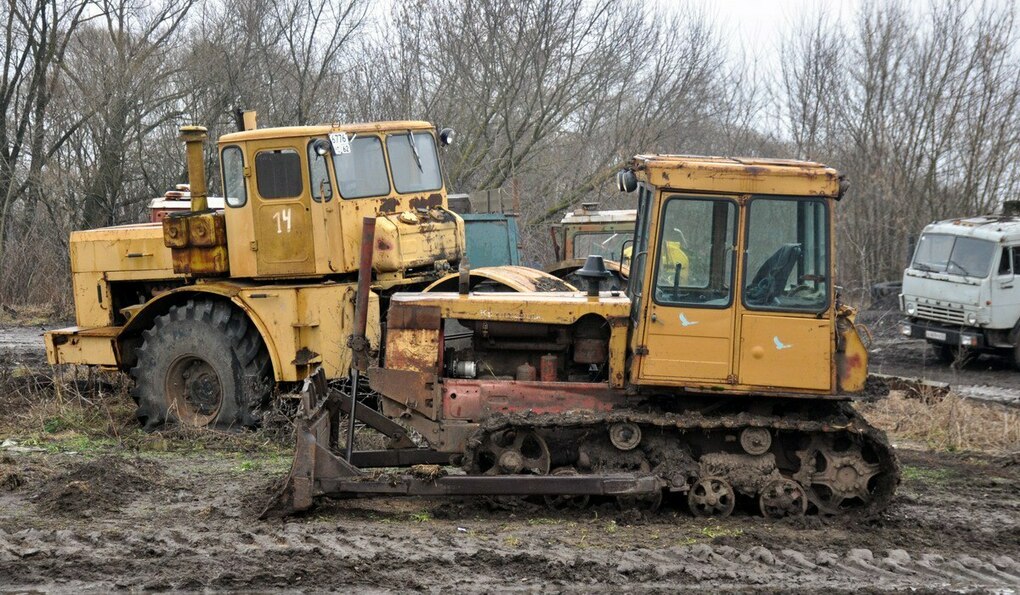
column 924, row 267
column 959, row 266
column 414, row 149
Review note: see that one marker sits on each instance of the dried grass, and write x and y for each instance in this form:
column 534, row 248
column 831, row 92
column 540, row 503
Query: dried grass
column 950, row 422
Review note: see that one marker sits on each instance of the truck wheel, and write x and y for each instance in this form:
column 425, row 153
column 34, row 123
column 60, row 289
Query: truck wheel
column 202, row 364
column 946, row 353
column 958, row 357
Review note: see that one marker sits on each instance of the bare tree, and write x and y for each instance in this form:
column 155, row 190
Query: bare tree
column 35, row 38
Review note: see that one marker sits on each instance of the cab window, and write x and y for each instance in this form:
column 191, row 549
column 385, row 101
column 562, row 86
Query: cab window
column 787, row 257
column 695, row 254
column 232, row 161
column 414, row 162
column 361, row 173
column 278, row 173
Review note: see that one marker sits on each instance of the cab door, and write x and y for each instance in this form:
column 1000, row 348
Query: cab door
column 786, row 327
column 284, row 241
column 687, row 330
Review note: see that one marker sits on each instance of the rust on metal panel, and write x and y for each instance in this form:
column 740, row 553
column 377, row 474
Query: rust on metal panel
column 478, row 399
column 413, row 316
column 427, row 202
column 412, row 388
column 413, row 349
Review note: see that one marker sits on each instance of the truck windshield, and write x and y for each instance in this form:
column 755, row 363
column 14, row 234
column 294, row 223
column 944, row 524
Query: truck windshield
column 414, row 162
column 943, row 253
column 607, row 245
column 361, row 171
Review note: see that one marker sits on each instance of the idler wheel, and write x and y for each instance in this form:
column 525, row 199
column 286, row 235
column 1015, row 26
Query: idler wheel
column 711, row 497
column 625, row 435
column 514, row 451
column 782, row 498
column 756, row 441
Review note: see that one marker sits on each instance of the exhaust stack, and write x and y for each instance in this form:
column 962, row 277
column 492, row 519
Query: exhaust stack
column 194, row 140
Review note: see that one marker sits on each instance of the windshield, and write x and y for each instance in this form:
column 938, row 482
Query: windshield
column 607, row 245
column 361, row 172
column 414, row 162
column 942, row 253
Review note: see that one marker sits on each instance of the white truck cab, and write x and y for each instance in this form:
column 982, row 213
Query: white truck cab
column 962, row 291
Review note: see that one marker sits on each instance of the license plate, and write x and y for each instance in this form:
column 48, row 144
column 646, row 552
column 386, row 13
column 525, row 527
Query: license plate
column 935, row 335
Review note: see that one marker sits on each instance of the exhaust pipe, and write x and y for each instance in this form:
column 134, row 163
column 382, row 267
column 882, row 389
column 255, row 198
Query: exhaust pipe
column 194, row 140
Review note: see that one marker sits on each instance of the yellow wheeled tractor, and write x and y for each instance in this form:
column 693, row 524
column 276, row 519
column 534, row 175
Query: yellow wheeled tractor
column 720, row 377
column 209, row 309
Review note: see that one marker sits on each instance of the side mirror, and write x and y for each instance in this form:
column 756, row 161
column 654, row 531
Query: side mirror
column 626, row 181
column 321, row 147
column 446, row 137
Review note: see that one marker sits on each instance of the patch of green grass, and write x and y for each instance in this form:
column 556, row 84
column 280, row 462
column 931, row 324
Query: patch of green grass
column 512, row 541
column 421, row 517
column 611, row 527
column 926, row 474
column 719, row 531
column 543, row 521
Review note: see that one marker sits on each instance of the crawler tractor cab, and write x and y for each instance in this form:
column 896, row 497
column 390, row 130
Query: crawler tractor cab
column 722, row 372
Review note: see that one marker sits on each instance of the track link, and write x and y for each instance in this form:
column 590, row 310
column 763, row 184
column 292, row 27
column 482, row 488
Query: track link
column 843, row 464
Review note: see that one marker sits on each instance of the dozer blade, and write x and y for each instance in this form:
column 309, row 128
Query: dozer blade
column 316, row 469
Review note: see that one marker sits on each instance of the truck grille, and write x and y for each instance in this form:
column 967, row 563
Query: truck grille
column 943, row 313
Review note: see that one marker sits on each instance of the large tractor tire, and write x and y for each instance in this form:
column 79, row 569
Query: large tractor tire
column 202, row 364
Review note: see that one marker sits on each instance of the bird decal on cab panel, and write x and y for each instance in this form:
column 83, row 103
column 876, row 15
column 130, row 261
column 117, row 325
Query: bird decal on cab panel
column 779, row 344
column 685, row 322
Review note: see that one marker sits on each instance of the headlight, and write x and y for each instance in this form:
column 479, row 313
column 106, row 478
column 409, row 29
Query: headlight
column 971, row 318
column 911, row 308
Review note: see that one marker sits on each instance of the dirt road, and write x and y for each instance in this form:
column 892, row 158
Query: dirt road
column 186, row 522
column 986, row 377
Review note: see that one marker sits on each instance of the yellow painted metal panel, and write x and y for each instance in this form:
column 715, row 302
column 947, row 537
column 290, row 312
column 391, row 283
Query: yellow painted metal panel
column 793, row 352
column 687, row 343
column 549, row 308
column 285, row 238
column 738, row 175
column 308, row 131
column 91, row 299
column 73, row 345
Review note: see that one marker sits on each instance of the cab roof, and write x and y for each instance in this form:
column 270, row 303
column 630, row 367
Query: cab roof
column 589, row 216
column 997, row 228
column 740, row 175
column 324, row 129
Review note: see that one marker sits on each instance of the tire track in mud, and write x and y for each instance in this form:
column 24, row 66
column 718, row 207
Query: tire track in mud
column 274, row 556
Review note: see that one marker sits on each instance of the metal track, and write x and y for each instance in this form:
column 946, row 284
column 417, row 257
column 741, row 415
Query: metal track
column 810, row 421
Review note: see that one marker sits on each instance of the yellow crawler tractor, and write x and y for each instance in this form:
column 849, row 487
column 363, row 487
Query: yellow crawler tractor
column 209, row 309
column 721, row 377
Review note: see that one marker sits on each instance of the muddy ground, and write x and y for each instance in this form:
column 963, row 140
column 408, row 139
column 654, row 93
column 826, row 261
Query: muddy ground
column 184, row 522
column 94, row 505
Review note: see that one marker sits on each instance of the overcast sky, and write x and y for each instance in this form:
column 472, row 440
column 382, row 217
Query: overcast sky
column 755, row 26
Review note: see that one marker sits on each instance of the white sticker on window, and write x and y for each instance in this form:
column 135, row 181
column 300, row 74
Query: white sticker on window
column 341, row 144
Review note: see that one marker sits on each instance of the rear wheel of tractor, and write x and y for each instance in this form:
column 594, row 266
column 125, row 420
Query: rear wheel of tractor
column 202, row 364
